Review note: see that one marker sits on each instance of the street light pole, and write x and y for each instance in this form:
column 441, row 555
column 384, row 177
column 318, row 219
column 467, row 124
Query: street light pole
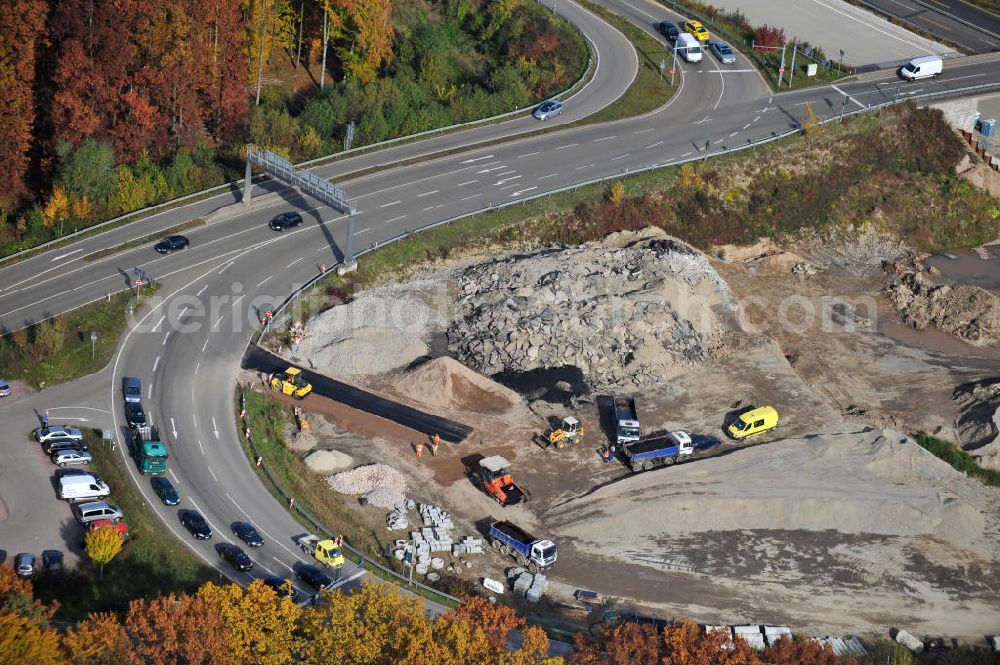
column 93, row 344
column 673, row 66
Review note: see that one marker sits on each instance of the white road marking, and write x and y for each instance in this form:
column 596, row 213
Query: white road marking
column 349, row 579
column 500, row 182
column 747, row 126
column 165, row 338
column 283, row 563
column 224, row 268
column 215, row 428
column 149, row 393
column 213, row 474
column 495, row 168
column 528, row 154
column 689, row 152
column 500, row 175
column 477, row 159
column 849, row 97
column 367, row 228
column 205, row 344
column 643, row 131
column 718, row 142
column 394, row 219
column 172, row 474
column 216, row 324
column 202, row 290
column 197, row 367
column 702, row 121
column 266, row 279
column 173, row 427
column 569, row 145
column 201, row 447
column 156, row 362
column 733, row 134
column 156, row 327
column 386, row 205
column 63, row 256
column 194, row 417
column 509, row 186
column 472, row 197
column 548, row 176
column 585, row 166
column 619, row 157
column 606, row 138
column 440, row 205
column 518, row 193
column 756, row 119
column 654, row 145
column 420, row 196
column 292, row 263
column 467, row 182
column 237, row 301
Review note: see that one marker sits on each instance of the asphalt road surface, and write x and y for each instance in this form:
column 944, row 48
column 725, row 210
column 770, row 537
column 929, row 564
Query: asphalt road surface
column 187, row 350
column 958, row 22
column 258, row 359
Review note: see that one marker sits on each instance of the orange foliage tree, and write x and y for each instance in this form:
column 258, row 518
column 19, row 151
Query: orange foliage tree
column 25, row 633
column 169, row 629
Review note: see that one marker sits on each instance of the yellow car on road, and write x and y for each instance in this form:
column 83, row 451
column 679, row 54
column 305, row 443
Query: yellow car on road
column 290, row 382
column 697, row 29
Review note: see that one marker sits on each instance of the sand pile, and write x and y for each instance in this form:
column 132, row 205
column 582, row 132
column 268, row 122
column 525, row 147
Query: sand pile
column 381, row 485
column 867, row 482
column 382, row 329
column 444, row 382
column 623, row 311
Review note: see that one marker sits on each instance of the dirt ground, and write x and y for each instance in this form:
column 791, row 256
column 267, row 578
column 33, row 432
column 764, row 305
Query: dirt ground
column 821, row 345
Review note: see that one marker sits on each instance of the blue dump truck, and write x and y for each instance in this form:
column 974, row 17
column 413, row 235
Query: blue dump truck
column 665, row 450
column 530, row 553
column 625, row 419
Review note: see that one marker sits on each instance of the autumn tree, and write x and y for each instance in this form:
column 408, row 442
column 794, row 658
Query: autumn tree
column 103, row 544
column 259, row 624
column 787, row 651
column 97, row 640
column 22, row 33
column 174, row 629
column 367, row 46
column 681, row 643
column 26, row 635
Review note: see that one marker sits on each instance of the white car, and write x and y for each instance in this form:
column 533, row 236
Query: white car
column 64, row 457
column 549, row 109
column 57, row 432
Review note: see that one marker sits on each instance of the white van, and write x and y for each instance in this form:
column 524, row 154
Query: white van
column 922, row 68
column 83, row 487
column 688, row 47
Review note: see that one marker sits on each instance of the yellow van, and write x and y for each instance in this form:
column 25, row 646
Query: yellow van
column 754, row 422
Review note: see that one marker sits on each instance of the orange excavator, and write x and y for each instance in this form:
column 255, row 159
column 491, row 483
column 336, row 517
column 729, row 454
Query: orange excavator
column 494, row 477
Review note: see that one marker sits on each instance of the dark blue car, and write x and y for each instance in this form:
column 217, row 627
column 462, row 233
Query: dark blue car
column 164, row 490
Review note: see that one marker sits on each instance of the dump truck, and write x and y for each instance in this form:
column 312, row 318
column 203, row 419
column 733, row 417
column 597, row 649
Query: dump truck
column 290, row 382
column 625, row 419
column 529, row 552
column 493, row 477
column 327, row 552
column 663, row 450
column 149, row 453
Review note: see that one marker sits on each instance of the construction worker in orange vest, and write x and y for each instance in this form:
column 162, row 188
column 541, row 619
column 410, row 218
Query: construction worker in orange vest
column 420, row 450
column 435, row 442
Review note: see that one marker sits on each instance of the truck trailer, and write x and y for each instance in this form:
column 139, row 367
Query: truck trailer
column 530, row 552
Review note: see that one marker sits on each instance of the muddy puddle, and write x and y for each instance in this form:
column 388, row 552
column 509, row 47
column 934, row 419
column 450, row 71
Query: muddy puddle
column 967, row 267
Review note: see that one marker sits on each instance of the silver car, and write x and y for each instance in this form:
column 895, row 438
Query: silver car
column 24, row 564
column 723, row 52
column 549, row 109
column 5, row 390
column 64, row 457
column 57, row 432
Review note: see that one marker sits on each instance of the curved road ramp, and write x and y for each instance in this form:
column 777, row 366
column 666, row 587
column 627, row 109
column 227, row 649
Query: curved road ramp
column 257, row 359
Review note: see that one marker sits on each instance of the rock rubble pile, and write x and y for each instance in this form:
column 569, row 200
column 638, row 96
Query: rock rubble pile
column 622, row 311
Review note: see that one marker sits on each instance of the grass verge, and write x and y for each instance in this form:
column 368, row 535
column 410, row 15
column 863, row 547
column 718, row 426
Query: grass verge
column 138, row 242
column 60, row 350
column 649, row 91
column 151, row 563
column 268, row 419
column 958, row 459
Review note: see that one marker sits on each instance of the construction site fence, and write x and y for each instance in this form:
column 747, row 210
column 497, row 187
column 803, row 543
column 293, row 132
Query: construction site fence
column 355, row 555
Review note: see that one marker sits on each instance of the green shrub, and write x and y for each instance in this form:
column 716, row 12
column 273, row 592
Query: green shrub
column 958, row 459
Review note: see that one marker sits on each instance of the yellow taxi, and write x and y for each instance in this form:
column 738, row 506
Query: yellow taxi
column 697, row 29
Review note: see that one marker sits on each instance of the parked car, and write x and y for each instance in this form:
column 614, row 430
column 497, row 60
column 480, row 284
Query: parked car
column 165, row 490
column 5, row 389
column 170, row 243
column 52, row 561
column 549, row 109
column 55, row 445
column 134, row 414
column 43, row 434
column 314, row 577
column 668, row 30
column 25, row 565
column 82, row 488
column 722, row 51
column 71, row 456
column 131, row 389
column 235, row 557
column 279, row 586
column 285, row 220
column 699, row 31
column 195, row 524
column 248, row 534
column 92, row 511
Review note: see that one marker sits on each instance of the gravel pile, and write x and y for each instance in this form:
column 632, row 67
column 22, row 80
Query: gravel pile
column 622, row 311
column 385, row 497
column 364, row 480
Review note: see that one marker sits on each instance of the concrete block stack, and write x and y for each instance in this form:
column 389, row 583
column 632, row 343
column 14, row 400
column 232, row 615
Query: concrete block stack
column 397, row 520
column 469, row 545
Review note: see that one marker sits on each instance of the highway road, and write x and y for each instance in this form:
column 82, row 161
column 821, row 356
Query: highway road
column 959, row 22
column 187, row 350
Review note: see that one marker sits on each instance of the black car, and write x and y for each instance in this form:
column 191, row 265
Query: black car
column 285, row 220
column 314, row 577
column 668, row 30
column 52, row 561
column 196, row 524
column 278, row 584
column 55, row 445
column 134, row 414
column 170, row 243
column 235, row 557
column 245, row 532
column 163, row 489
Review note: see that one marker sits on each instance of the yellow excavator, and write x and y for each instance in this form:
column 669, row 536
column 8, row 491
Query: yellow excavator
column 569, row 433
column 290, row 382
